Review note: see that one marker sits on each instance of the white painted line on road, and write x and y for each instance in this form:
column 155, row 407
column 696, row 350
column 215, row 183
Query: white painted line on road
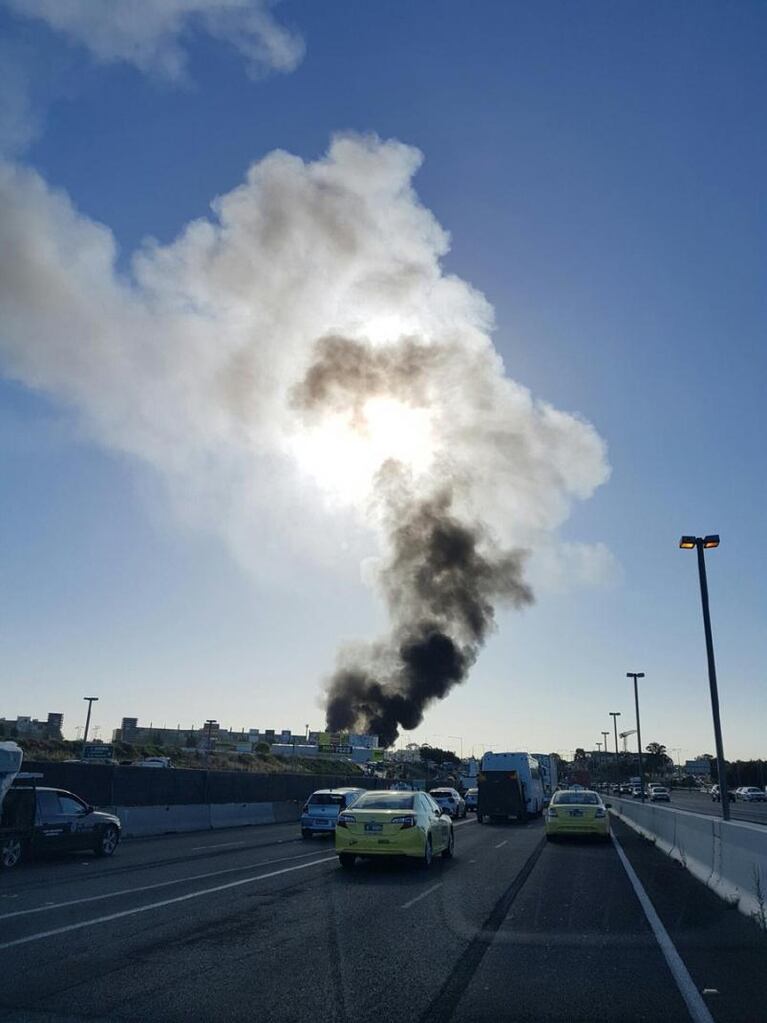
column 218, row 845
column 150, row 887
column 412, row 901
column 502, row 844
column 158, row 905
column 692, row 997
column 460, row 824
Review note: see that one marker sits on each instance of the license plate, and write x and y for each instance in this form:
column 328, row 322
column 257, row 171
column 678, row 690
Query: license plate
column 576, row 813
column 374, row 827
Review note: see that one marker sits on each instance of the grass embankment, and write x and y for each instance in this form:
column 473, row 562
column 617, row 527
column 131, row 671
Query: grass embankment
column 257, row 763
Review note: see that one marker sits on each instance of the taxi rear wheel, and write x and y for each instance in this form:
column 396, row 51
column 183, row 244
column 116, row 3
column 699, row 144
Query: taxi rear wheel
column 346, row 860
column 305, row 833
column 11, row 852
column 428, row 854
column 447, row 853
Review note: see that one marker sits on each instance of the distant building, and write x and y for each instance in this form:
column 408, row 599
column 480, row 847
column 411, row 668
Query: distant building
column 31, row 728
column 699, row 768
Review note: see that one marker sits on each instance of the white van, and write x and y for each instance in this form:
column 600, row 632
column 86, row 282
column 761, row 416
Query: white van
column 322, row 808
column 510, row 785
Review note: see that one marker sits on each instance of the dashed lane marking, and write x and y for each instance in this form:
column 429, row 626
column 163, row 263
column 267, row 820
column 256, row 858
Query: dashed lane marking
column 157, row 884
column 503, row 843
column 423, row 895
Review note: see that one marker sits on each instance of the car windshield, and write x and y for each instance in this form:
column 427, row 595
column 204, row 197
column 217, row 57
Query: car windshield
column 385, row 801
column 327, row 799
column 576, row 798
column 441, row 792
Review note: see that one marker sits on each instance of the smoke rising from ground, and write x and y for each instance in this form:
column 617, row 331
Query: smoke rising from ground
column 308, row 382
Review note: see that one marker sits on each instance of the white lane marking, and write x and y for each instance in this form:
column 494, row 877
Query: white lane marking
column 149, row 887
column 412, row 902
column 460, row 824
column 218, row 845
column 502, row 844
column 692, row 997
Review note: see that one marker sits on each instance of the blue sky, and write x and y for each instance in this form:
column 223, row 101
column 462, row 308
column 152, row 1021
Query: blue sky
column 600, row 169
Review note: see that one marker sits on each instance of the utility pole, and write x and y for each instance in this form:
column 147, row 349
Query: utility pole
column 635, row 675
column 90, row 700
column 615, row 714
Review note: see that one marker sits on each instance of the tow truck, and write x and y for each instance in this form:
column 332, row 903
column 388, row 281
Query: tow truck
column 35, row 819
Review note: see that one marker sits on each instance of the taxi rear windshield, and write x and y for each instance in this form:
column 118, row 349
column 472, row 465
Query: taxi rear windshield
column 327, row 799
column 576, row 798
column 385, row 801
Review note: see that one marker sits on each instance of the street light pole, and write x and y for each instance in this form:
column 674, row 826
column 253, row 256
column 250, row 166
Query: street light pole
column 700, row 543
column 90, row 700
column 635, row 675
column 615, row 714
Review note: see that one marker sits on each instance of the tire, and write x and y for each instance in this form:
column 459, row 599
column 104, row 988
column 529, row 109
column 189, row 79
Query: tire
column 447, row 854
column 11, row 852
column 428, row 854
column 347, row 860
column 107, row 841
column 305, row 833
column 551, row 838
column 479, row 817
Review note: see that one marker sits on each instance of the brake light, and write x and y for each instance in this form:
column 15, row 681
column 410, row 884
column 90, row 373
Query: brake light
column 345, row 819
column 404, row 822
column 552, row 812
column 601, row 812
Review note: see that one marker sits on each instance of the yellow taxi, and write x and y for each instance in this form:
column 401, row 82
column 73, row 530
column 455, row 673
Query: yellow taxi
column 389, row 823
column 577, row 812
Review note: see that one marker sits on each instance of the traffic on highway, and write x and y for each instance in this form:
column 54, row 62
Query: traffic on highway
column 217, row 926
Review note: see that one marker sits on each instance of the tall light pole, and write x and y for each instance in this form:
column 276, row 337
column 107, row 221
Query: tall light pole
column 615, row 714
column 635, row 675
column 90, row 700
column 604, row 736
column 701, row 543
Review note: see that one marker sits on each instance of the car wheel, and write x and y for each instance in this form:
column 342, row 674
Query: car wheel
column 346, row 860
column 479, row 817
column 305, row 833
column 428, row 854
column 551, row 838
column 107, row 841
column 447, row 854
column 11, row 852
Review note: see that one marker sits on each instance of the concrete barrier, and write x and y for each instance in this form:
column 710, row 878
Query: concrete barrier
column 730, row 857
column 142, row 821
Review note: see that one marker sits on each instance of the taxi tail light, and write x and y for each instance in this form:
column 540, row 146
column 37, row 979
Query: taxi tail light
column 601, row 812
column 345, row 819
column 404, row 822
column 552, row 812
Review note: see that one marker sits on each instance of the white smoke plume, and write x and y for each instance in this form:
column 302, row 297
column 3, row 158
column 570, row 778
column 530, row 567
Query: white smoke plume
column 278, row 357
column 150, row 34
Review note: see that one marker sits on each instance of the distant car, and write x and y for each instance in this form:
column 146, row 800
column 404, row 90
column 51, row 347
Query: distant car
column 153, row 762
column 626, row 790
column 37, row 820
column 580, row 812
column 715, row 797
column 449, row 800
column 657, row 794
column 393, row 823
column 321, row 810
column 471, row 799
column 751, row 794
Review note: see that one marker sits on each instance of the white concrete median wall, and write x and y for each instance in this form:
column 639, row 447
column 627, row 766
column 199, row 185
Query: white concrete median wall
column 140, row 821
column 730, row 857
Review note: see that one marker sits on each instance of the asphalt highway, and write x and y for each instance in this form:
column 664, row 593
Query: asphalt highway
column 255, row 924
column 701, row 802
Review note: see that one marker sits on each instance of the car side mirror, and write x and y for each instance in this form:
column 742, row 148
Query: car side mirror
column 608, row 806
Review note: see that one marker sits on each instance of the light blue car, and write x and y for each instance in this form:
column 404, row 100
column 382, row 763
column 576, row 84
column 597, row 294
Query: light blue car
column 322, row 808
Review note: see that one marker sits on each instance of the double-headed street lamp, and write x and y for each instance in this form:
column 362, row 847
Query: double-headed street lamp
column 701, row 543
column 635, row 675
